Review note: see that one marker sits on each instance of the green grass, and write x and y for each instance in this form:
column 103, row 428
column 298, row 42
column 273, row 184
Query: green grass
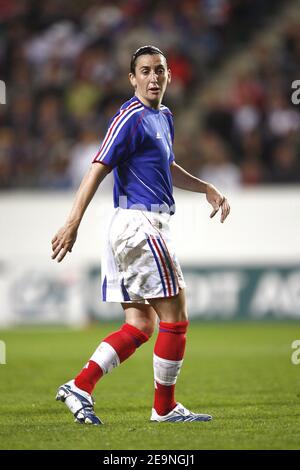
column 240, row 372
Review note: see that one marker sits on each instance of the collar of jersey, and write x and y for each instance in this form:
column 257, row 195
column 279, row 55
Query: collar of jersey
column 156, row 111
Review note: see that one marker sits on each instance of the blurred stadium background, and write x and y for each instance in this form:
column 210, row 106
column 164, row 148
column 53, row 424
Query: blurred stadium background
column 65, row 68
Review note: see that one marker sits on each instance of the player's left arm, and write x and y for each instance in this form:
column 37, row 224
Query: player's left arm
column 184, row 180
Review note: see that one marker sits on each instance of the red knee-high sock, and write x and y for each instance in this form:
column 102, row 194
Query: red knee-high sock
column 168, row 355
column 113, row 350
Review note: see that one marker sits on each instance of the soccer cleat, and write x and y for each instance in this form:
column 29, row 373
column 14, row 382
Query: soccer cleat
column 79, row 402
column 179, row 414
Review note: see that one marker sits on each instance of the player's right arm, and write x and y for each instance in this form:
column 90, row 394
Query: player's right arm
column 122, row 136
column 65, row 238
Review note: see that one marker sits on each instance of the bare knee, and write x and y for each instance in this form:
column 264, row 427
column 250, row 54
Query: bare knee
column 173, row 317
column 182, row 316
column 145, row 325
column 141, row 316
column 171, row 309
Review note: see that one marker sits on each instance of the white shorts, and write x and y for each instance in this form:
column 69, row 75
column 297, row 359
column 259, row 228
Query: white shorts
column 138, row 259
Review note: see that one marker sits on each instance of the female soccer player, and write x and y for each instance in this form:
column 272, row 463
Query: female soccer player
column 139, row 266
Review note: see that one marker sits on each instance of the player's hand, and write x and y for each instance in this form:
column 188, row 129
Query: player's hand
column 63, row 242
column 217, row 200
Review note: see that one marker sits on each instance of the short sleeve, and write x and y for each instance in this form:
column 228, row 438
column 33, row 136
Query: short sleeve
column 169, row 117
column 171, row 157
column 171, row 123
column 122, row 137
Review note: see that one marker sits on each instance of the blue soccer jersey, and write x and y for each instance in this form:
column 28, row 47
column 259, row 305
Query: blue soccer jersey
column 138, row 147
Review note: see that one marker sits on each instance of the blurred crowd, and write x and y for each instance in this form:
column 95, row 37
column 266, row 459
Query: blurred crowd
column 65, row 65
column 250, row 135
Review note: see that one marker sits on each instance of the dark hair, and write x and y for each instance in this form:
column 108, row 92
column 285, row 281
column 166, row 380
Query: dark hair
column 142, row 51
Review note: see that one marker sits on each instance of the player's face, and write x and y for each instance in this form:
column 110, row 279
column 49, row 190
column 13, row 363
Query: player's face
column 150, row 79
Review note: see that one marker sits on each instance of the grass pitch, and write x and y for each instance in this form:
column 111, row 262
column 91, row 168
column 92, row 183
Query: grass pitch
column 241, row 373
